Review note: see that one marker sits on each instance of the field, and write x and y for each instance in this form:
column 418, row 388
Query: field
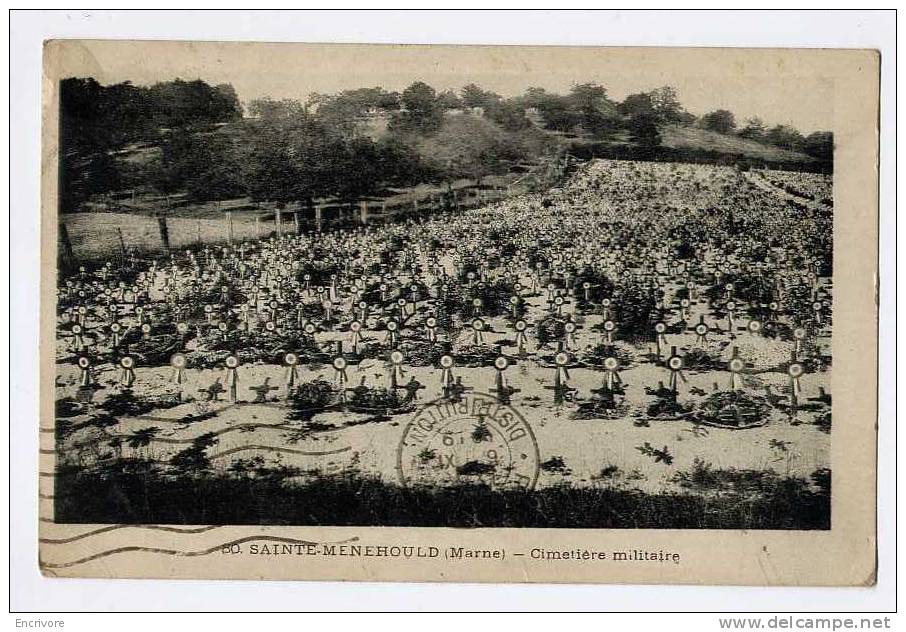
column 737, row 437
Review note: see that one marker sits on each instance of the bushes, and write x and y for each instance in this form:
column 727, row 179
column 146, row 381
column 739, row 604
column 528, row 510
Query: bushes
column 145, row 495
column 550, row 330
column 601, row 287
column 476, row 356
column 494, row 297
column 595, row 356
column 371, row 399
column 750, row 288
column 733, row 409
column 126, row 404
column 635, row 311
column 308, row 398
column 419, row 352
column 665, row 404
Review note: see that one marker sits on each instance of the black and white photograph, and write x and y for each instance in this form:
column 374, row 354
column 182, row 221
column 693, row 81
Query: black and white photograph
column 349, row 286
column 438, row 305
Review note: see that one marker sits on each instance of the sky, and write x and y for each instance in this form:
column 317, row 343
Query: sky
column 778, row 86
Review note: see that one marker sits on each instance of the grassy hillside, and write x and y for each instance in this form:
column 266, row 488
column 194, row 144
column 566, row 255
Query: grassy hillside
column 677, row 137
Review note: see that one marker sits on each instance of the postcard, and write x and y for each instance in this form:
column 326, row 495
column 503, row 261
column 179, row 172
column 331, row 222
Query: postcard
column 459, row 313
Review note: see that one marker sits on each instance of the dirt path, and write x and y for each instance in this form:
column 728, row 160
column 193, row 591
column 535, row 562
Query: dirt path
column 758, row 180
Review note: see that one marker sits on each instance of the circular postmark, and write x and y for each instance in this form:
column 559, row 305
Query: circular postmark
column 473, row 439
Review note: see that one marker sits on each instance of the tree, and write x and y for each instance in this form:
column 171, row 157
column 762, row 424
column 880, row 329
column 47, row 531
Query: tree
column 637, row 104
column 589, row 96
column 598, row 114
column 753, row 130
column 448, row 100
column 556, row 112
column 559, row 115
column 206, row 166
column 421, row 113
column 644, row 132
column 88, row 132
column 216, row 176
column 292, row 160
column 535, row 97
column 359, row 172
column 420, row 98
column 269, row 165
column 474, row 97
column 785, row 137
column 820, row 145
column 181, row 103
column 720, row 121
column 167, row 173
column 270, row 109
column 389, row 101
column 84, row 176
column 667, row 106
column 469, row 146
column 227, row 102
column 95, row 117
column 302, row 159
column 508, row 114
column 400, row 164
column 348, row 110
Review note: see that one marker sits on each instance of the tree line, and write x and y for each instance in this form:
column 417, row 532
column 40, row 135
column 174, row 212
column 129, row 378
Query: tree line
column 97, row 120
column 818, row 145
column 354, row 143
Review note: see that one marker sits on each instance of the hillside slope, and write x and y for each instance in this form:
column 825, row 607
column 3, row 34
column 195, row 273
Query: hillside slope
column 677, row 137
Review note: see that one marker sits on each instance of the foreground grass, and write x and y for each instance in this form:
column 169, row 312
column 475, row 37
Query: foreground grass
column 142, row 494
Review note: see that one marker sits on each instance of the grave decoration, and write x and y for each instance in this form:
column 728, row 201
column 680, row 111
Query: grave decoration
column 127, row 371
column 231, row 362
column 733, row 409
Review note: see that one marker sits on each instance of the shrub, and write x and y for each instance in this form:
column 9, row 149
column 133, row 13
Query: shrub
column 137, row 491
column 733, row 409
column 635, row 312
column 556, row 465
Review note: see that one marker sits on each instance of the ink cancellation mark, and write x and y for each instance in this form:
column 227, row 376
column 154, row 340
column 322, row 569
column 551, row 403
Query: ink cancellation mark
column 475, row 439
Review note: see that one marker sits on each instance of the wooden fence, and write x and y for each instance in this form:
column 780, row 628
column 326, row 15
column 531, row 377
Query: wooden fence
column 85, row 237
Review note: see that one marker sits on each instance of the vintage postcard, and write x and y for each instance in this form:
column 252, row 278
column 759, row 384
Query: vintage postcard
column 459, row 313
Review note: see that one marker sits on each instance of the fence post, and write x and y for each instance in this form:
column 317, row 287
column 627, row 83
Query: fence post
column 164, row 232
column 278, row 219
column 119, row 234
column 229, row 217
column 257, row 227
column 198, row 231
column 318, row 217
column 363, row 214
column 296, row 224
column 415, row 206
column 68, row 255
